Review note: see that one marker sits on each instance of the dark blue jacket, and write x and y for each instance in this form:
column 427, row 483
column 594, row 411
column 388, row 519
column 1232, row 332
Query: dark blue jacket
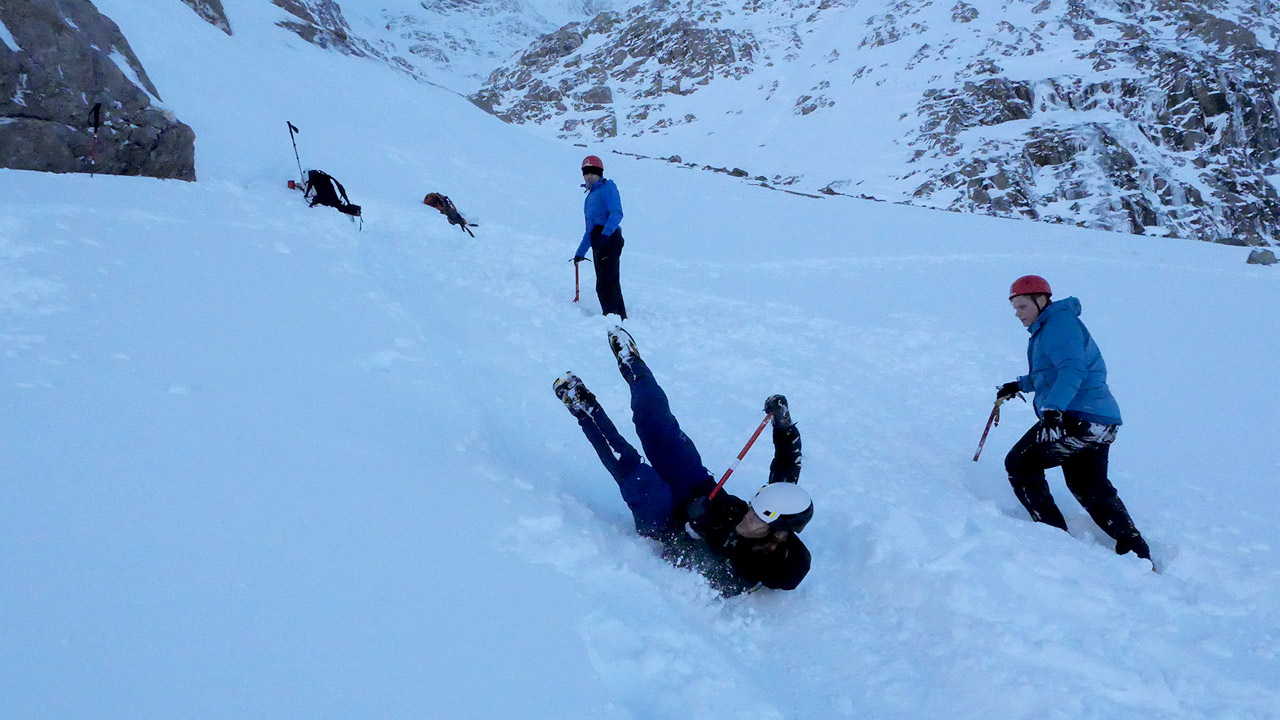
column 1067, row 372
column 602, row 207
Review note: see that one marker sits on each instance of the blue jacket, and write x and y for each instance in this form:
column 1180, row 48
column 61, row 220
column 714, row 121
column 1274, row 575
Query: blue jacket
column 1066, row 368
column 601, row 207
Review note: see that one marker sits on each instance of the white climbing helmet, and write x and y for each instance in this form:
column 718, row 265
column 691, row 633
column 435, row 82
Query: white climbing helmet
column 784, row 505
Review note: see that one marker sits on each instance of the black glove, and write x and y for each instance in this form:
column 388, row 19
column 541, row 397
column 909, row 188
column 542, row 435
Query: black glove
column 1008, row 391
column 696, row 512
column 1052, row 428
column 577, row 259
column 776, row 405
column 698, row 508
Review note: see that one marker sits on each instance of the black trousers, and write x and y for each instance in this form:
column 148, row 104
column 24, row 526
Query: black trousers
column 606, row 251
column 1082, row 452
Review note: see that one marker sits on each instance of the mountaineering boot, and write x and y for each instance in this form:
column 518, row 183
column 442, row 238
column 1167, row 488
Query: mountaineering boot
column 624, row 349
column 1134, row 544
column 776, row 405
column 575, row 395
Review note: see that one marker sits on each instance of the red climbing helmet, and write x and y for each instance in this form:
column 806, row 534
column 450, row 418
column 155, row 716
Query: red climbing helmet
column 591, row 162
column 1029, row 285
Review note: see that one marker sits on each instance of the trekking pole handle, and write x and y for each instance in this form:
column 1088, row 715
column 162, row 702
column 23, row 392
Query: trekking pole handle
column 992, row 420
column 714, row 491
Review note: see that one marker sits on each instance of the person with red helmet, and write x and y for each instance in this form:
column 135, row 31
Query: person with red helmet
column 1078, row 416
column 603, row 212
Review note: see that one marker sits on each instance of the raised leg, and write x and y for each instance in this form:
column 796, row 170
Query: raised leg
column 643, row 490
column 668, row 449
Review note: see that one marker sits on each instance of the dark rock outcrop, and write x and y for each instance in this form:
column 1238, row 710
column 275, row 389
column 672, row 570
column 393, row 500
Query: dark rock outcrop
column 212, row 12
column 1261, row 257
column 60, row 58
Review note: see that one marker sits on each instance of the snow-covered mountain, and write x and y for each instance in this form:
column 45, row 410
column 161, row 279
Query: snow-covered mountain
column 258, row 462
column 1147, row 117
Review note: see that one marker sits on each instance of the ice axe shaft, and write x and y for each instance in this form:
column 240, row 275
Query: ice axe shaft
column 575, row 282
column 745, row 448
column 993, row 420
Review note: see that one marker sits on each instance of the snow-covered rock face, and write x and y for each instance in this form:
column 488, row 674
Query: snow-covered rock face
column 212, row 12
column 321, row 22
column 1153, row 116
column 58, row 59
column 648, row 52
column 1170, row 129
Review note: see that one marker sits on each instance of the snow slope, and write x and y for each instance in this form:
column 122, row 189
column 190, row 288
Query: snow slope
column 259, row 463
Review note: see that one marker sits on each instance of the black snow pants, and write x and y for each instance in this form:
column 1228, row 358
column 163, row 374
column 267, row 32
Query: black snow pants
column 606, row 251
column 1082, row 453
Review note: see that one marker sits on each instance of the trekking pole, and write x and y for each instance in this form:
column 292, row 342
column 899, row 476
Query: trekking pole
column 95, row 119
column 745, row 448
column 293, row 130
column 992, row 421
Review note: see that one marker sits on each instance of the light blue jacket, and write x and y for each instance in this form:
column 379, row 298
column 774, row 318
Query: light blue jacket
column 602, row 206
column 1066, row 368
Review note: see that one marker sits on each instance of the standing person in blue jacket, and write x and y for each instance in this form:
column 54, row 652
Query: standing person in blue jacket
column 1078, row 416
column 603, row 212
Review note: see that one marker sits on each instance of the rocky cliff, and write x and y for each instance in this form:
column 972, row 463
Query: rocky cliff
column 60, row 58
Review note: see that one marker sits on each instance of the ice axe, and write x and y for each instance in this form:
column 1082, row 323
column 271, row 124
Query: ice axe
column 575, row 277
column 992, row 421
column 714, row 491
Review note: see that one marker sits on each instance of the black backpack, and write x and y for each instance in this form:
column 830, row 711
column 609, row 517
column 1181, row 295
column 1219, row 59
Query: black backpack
column 327, row 189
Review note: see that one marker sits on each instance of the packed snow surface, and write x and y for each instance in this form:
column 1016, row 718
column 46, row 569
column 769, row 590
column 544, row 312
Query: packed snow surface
column 260, row 463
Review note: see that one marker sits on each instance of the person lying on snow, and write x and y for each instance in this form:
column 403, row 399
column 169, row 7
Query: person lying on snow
column 738, row 546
